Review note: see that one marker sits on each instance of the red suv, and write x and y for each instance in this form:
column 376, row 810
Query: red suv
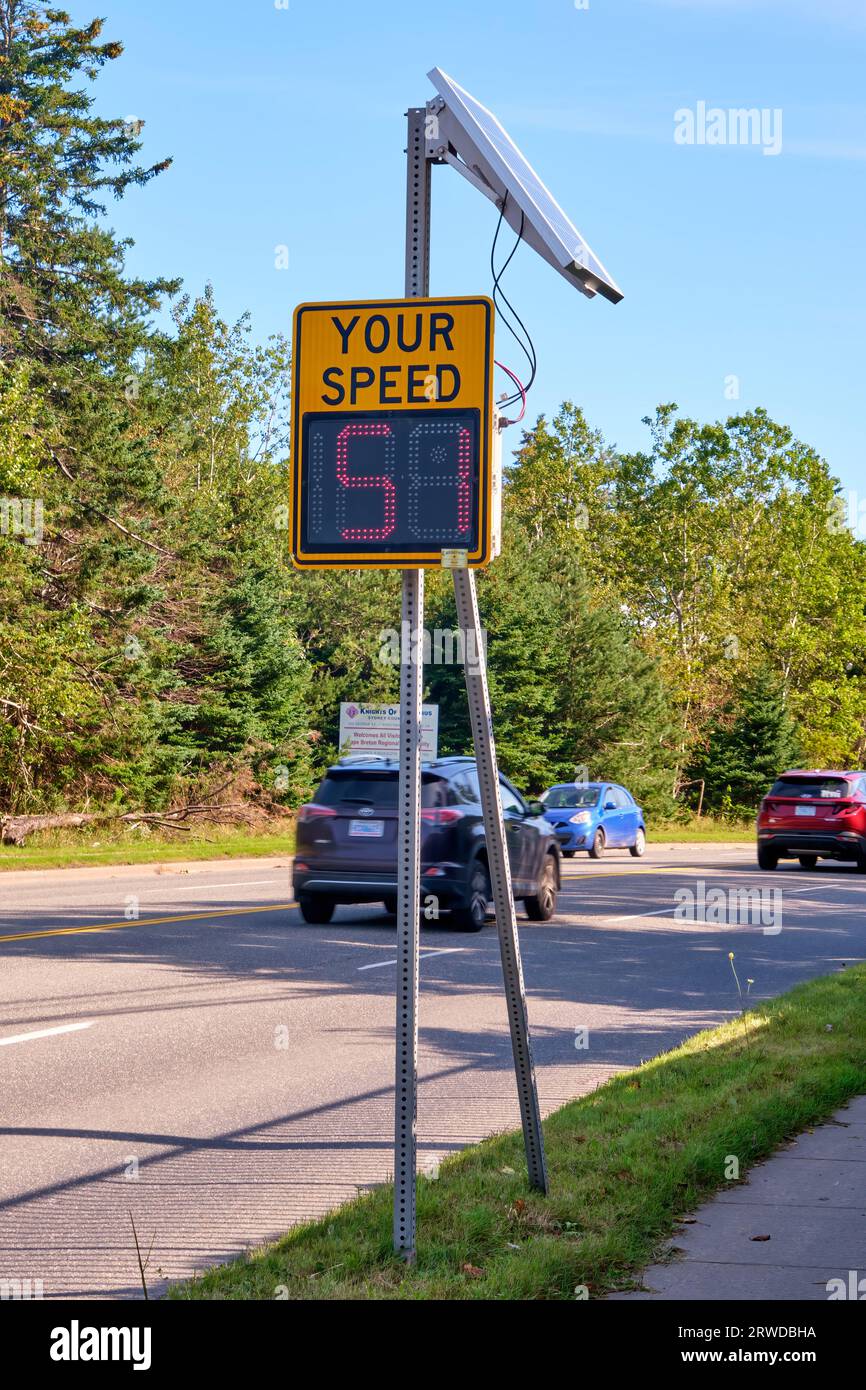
column 811, row 816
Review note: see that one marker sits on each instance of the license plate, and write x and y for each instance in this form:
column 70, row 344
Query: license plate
column 804, row 810
column 372, row 829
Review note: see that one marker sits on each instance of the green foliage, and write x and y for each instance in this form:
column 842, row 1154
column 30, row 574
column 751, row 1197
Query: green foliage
column 154, row 639
column 570, row 688
column 723, row 548
column 747, row 749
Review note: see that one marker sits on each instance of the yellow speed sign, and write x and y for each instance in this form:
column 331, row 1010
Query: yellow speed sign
column 391, row 433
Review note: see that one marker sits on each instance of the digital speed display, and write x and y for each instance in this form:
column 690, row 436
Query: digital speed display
column 393, row 454
column 396, row 481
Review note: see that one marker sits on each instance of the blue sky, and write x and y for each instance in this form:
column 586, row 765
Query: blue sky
column 286, row 126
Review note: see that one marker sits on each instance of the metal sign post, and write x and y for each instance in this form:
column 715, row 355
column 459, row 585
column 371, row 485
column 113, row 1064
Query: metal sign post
column 409, row 792
column 396, row 465
column 409, row 809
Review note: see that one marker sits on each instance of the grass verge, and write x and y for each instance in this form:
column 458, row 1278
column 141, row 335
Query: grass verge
column 624, row 1163
column 73, row 849
column 702, row 832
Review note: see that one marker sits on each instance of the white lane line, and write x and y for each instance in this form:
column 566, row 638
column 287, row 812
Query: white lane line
column 824, row 885
column 632, row 916
column 202, row 887
column 47, row 1032
column 425, row 955
column 660, row 912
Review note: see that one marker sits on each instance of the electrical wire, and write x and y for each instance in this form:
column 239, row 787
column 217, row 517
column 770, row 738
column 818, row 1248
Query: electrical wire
column 521, row 393
column 499, row 293
column 500, row 298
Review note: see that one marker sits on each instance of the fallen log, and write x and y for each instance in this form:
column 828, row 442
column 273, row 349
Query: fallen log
column 15, row 829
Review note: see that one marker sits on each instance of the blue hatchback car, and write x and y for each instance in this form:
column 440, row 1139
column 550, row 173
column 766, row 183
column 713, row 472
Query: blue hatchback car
column 594, row 816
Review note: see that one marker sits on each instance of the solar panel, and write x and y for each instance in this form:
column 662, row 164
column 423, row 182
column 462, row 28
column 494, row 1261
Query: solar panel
column 487, row 150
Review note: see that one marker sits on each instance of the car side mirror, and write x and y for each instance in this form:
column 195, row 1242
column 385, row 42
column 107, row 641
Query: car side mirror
column 535, row 808
column 610, row 805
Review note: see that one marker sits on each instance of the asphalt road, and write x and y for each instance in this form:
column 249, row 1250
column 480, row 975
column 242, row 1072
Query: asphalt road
column 217, row 1070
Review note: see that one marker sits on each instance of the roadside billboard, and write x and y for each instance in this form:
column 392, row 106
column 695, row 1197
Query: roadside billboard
column 375, row 729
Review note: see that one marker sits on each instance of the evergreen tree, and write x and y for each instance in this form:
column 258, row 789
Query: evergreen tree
column 570, row 689
column 748, row 748
column 66, row 305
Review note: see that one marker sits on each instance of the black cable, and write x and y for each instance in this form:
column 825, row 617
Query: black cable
column 499, row 294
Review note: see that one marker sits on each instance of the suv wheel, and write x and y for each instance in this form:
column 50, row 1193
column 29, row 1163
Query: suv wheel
column 315, row 908
column 471, row 917
column 541, row 907
column 767, row 858
column 596, row 849
column 639, row 846
column 808, row 861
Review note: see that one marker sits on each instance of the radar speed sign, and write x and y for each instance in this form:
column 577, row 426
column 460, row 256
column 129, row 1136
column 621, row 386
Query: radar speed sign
column 392, row 434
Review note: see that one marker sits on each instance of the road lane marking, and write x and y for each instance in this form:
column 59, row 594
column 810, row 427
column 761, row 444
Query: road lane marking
column 47, row 1032
column 425, row 955
column 589, row 874
column 146, row 922
column 589, row 877
column 659, row 912
column 201, row 887
column 632, row 916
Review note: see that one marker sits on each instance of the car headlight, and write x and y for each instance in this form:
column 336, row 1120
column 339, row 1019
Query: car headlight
column 581, row 818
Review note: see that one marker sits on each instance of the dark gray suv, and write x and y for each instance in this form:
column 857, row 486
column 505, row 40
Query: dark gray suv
column 347, row 843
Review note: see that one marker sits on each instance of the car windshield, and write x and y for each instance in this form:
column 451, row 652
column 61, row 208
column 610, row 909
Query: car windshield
column 562, row 798
column 811, row 787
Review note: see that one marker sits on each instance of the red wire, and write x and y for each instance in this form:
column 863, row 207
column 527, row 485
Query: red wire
column 519, row 384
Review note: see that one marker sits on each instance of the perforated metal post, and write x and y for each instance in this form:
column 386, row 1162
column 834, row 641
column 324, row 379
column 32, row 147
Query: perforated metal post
column 500, row 872
column 409, row 807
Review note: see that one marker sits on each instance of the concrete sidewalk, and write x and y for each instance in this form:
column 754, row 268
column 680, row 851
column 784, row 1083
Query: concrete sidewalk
column 809, row 1199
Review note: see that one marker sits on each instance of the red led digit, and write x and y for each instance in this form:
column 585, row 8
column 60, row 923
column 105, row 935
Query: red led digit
column 442, row 435
column 464, row 464
column 362, row 431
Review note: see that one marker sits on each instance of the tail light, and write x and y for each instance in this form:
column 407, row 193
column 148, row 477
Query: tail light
column 847, row 808
column 314, row 812
column 441, row 815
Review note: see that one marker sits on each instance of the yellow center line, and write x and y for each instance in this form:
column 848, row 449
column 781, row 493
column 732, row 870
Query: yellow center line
column 659, row 869
column 147, row 922
column 282, row 907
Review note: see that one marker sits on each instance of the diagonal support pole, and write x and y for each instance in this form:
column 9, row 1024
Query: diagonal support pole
column 500, row 872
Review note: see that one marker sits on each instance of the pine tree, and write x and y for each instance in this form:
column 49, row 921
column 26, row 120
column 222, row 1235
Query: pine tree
column 569, row 687
column 72, row 327
column 754, row 741
column 66, row 305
